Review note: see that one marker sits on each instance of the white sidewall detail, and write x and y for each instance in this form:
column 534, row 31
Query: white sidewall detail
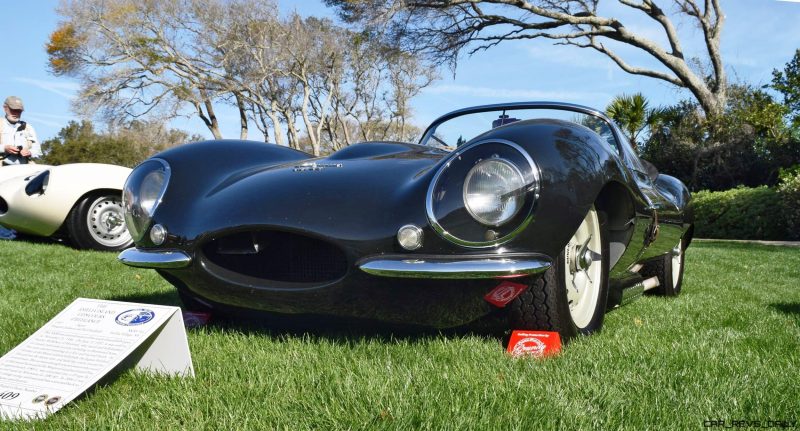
column 583, row 270
column 677, row 260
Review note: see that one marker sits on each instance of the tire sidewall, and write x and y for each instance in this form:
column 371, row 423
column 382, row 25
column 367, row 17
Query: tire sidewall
column 77, row 224
column 596, row 322
column 671, row 288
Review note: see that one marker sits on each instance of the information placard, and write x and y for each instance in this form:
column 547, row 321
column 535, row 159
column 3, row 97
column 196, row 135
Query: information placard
column 83, row 344
column 535, row 344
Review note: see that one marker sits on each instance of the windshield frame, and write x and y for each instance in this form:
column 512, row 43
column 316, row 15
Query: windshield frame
column 622, row 144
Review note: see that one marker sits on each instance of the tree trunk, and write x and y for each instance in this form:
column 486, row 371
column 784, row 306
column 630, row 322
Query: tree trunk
column 209, row 117
column 307, row 121
column 276, row 126
column 242, row 116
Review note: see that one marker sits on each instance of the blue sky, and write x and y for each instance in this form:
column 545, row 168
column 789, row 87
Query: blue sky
column 759, row 36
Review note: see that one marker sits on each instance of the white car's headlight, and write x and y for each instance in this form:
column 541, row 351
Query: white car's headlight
column 142, row 193
column 494, row 191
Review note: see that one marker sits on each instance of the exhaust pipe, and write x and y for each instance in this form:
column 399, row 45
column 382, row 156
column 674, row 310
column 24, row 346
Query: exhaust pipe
column 635, row 291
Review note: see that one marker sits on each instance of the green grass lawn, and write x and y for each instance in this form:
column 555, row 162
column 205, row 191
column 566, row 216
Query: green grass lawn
column 727, row 348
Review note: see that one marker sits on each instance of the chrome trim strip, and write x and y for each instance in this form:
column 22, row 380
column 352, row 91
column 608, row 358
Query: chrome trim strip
column 448, row 268
column 534, row 188
column 161, row 259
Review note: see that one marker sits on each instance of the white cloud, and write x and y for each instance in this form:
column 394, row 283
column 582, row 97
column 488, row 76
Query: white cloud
column 64, row 89
column 513, row 94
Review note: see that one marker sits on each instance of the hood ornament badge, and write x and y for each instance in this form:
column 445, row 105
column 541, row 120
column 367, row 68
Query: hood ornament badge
column 314, row 166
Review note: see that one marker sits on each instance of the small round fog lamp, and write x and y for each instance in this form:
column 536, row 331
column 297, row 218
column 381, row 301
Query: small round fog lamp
column 158, row 234
column 410, row 237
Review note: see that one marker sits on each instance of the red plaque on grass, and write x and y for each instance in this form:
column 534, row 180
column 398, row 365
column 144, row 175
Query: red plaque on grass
column 537, row 344
column 504, row 293
column 195, row 319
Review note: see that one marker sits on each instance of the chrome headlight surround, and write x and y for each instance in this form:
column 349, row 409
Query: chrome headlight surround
column 447, row 209
column 143, row 191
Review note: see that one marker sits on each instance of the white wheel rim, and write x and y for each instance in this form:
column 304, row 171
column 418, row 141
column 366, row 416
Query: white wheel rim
column 677, row 253
column 583, row 270
column 106, row 222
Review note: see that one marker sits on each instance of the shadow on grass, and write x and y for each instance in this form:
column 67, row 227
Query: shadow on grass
column 337, row 329
column 790, row 308
column 164, row 298
column 11, row 235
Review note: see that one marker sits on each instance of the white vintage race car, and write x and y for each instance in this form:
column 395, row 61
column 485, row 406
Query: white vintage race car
column 81, row 200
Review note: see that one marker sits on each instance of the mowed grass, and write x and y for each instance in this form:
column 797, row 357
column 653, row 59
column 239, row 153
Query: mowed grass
column 728, row 348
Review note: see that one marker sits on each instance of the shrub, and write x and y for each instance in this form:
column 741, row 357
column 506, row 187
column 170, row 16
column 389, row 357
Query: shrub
column 741, row 213
column 789, row 191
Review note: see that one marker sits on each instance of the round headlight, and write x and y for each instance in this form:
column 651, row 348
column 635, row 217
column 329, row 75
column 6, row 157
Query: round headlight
column 494, row 191
column 142, row 193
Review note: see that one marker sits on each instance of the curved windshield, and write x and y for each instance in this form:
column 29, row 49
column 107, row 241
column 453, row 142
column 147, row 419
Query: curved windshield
column 457, row 131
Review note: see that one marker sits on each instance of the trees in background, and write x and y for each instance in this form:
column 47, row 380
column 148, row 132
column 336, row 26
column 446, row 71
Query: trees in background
column 443, row 29
column 634, row 115
column 124, row 144
column 747, row 144
column 299, row 80
column 787, row 82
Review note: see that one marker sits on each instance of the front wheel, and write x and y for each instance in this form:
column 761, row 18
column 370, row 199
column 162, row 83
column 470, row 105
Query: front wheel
column 570, row 297
column 97, row 222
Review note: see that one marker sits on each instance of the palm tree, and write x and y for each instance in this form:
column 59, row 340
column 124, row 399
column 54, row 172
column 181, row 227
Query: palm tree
column 632, row 114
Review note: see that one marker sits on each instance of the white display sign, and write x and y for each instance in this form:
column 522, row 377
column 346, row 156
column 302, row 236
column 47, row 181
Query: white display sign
column 83, row 344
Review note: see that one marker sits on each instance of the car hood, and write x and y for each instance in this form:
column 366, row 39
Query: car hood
column 364, row 191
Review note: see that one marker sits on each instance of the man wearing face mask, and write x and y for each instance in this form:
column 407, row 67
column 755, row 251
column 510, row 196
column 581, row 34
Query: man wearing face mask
column 18, row 138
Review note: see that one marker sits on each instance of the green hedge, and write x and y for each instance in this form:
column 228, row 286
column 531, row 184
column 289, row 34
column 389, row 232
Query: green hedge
column 741, row 213
column 789, row 189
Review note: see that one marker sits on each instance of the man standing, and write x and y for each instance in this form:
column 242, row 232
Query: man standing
column 18, row 138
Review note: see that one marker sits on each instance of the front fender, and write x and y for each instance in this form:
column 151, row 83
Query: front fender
column 575, row 164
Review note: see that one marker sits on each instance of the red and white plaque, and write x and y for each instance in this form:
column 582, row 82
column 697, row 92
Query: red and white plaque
column 537, row 344
column 504, row 293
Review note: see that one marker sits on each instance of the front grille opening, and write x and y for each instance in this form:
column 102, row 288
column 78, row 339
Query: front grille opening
column 278, row 256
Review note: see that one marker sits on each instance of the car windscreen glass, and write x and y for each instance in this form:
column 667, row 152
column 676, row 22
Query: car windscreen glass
column 457, row 131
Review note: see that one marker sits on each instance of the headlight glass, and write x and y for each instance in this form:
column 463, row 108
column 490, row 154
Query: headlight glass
column 494, row 191
column 142, row 193
column 151, row 190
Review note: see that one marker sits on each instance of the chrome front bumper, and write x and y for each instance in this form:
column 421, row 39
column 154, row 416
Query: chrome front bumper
column 430, row 267
column 463, row 267
column 161, row 259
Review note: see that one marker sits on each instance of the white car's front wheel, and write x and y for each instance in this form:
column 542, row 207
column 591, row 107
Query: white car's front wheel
column 97, row 222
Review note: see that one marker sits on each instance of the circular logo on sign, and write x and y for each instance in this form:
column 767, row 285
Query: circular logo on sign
column 504, row 294
column 135, row 317
column 528, row 346
column 51, row 401
column 39, row 399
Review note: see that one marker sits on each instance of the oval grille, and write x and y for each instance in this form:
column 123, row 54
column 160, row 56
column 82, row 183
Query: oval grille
column 278, row 256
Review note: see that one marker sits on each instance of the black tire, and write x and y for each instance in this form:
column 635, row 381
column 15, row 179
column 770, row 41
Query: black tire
column 670, row 279
column 545, row 304
column 94, row 223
